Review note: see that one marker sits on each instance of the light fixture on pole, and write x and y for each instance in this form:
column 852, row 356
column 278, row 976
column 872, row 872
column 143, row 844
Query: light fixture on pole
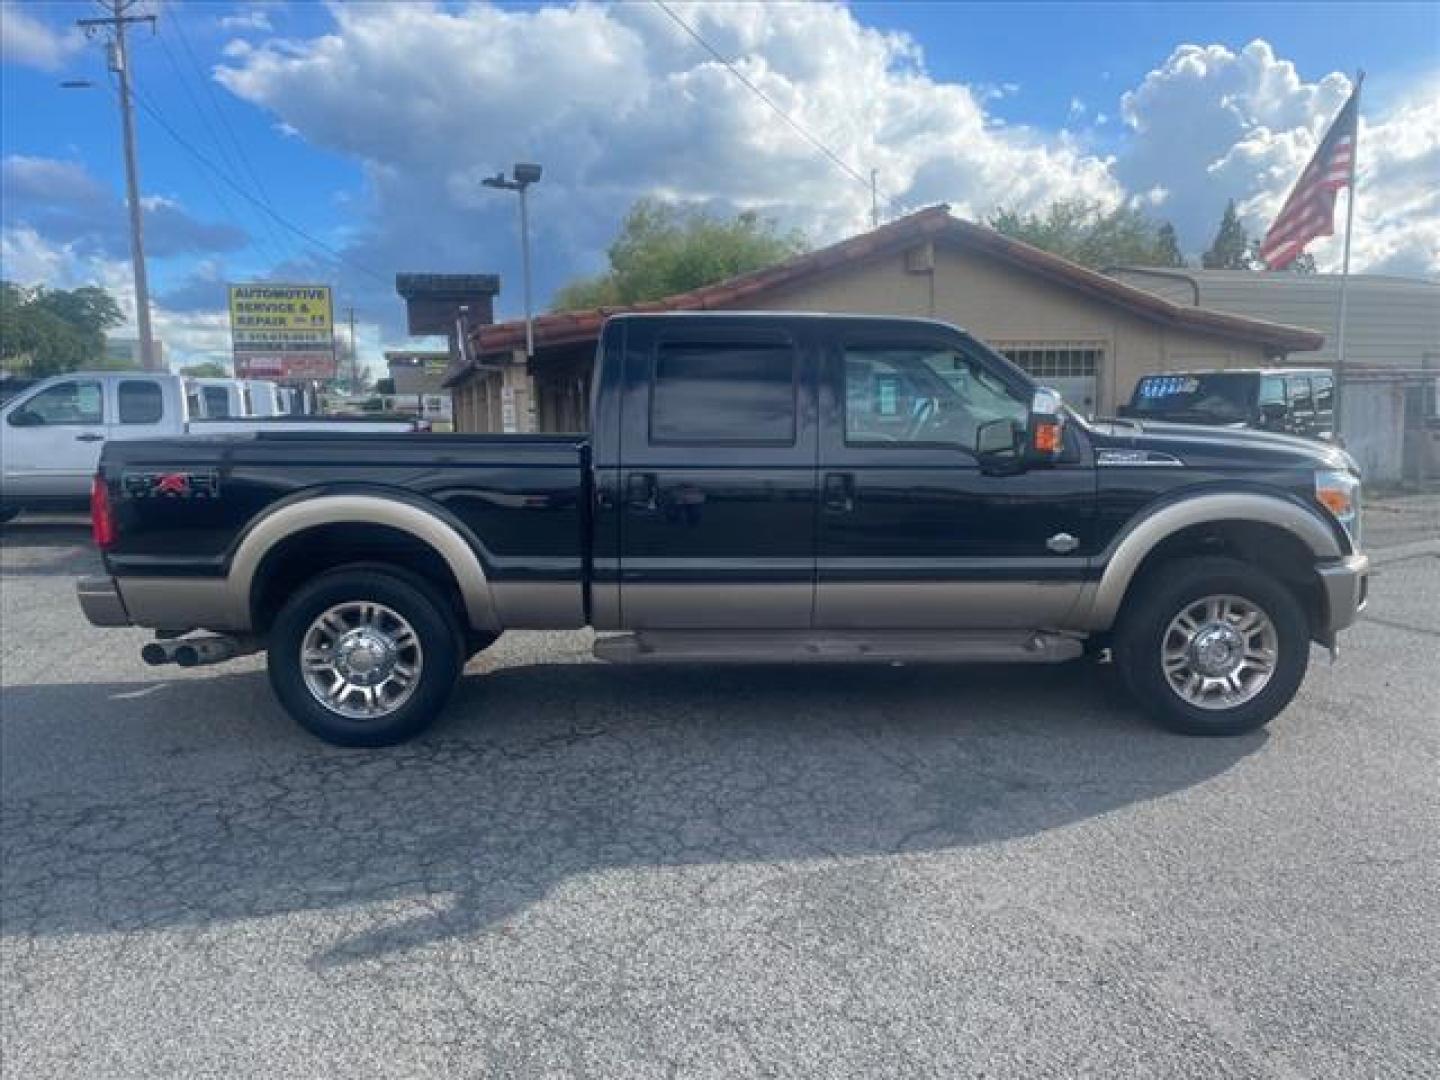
column 523, row 175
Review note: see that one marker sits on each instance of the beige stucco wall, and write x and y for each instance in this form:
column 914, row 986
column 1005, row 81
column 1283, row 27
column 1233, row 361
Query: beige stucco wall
column 999, row 303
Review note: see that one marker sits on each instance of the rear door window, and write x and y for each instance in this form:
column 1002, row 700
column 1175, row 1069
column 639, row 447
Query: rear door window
column 140, row 402
column 710, row 392
column 217, row 402
column 1302, row 398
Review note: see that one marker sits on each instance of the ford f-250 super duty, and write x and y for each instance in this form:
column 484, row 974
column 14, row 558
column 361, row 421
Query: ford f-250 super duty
column 755, row 487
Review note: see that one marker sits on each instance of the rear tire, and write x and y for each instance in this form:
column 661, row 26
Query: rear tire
column 1212, row 646
column 362, row 657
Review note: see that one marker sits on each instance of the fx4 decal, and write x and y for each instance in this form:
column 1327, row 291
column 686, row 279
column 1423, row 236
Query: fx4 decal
column 189, row 484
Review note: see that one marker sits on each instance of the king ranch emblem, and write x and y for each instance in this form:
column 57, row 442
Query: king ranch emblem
column 202, row 484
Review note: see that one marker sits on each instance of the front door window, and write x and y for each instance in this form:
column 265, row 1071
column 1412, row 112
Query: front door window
column 921, row 395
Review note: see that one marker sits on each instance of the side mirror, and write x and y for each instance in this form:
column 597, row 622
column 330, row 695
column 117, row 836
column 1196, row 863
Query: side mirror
column 25, row 418
column 995, row 438
column 1045, row 428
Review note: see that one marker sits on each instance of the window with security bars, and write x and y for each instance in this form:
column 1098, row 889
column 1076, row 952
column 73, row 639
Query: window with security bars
column 1055, row 359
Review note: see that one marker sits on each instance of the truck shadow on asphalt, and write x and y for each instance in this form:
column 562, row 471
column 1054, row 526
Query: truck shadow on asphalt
column 207, row 805
column 42, row 549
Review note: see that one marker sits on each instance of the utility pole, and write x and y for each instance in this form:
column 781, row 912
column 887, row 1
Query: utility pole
column 119, row 58
column 874, row 200
column 354, row 356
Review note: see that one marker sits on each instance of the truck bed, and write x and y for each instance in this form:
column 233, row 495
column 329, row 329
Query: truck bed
column 522, row 501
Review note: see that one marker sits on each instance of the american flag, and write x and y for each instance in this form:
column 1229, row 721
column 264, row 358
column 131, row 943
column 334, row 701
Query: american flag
column 1310, row 210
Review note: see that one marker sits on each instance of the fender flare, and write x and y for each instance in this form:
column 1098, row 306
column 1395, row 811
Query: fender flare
column 430, row 529
column 1122, row 559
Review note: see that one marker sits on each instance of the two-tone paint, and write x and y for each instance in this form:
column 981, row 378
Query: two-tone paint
column 618, row 530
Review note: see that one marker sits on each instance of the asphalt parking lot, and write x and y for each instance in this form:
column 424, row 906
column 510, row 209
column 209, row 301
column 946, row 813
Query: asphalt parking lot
column 592, row 871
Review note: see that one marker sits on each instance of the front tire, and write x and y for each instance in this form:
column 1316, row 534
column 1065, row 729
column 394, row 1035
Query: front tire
column 361, row 657
column 1212, row 646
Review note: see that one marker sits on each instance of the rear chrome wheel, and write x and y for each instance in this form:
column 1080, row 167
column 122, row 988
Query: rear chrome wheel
column 361, row 659
column 365, row 656
column 1219, row 651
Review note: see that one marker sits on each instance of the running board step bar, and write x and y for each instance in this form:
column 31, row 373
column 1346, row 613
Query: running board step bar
column 808, row 646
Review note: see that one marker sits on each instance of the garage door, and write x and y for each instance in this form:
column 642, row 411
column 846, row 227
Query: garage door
column 1069, row 366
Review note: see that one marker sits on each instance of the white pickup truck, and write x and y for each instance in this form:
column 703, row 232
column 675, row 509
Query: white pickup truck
column 51, row 433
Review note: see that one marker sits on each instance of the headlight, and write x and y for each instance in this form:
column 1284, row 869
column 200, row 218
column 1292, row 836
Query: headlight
column 1339, row 492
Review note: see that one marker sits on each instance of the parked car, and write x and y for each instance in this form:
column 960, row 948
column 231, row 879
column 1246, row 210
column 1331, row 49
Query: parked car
column 1296, row 401
column 211, row 398
column 51, row 433
column 755, row 487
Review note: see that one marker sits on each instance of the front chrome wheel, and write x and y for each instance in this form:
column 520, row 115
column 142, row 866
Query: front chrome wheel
column 361, row 659
column 1219, row 652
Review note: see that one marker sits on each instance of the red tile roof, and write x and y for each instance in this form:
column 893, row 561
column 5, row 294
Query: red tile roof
column 932, row 223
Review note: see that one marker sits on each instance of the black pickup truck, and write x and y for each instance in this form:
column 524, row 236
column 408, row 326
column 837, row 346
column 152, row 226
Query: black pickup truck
column 755, row 487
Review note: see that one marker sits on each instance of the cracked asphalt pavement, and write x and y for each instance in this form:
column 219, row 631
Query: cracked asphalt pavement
column 725, row 872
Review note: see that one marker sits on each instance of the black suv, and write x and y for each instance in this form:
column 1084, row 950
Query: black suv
column 1295, row 401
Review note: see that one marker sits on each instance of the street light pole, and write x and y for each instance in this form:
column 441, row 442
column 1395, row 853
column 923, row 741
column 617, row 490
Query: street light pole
column 524, row 174
column 525, row 269
column 120, row 64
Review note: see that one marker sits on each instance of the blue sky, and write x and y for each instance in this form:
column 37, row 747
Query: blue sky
column 369, row 126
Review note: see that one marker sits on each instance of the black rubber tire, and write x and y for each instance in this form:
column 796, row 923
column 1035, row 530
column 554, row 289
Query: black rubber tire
column 436, row 627
column 1157, row 600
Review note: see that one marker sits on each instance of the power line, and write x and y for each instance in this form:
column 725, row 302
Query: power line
column 840, row 163
column 215, row 106
column 335, row 254
column 268, row 235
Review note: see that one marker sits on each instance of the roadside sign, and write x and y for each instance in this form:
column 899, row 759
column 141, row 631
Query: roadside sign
column 282, row 331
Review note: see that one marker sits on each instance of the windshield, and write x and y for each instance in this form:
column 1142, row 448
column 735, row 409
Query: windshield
column 1206, row 399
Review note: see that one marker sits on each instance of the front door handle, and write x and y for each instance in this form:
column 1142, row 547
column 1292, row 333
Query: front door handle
column 89, row 438
column 839, row 496
column 640, row 492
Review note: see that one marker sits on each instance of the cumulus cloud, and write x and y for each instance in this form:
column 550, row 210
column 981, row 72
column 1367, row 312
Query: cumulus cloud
column 251, row 19
column 25, row 39
column 63, row 202
column 188, row 336
column 618, row 102
column 1210, row 124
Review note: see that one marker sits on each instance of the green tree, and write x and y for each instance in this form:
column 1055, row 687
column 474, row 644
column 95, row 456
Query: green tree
column 1167, row 247
column 46, row 331
column 1230, row 250
column 206, row 369
column 1088, row 233
column 1304, row 263
column 664, row 248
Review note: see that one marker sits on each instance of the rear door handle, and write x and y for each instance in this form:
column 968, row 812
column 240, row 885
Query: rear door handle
column 640, row 492
column 839, row 496
column 89, row 438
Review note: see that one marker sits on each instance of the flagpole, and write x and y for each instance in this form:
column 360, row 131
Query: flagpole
column 1337, row 427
